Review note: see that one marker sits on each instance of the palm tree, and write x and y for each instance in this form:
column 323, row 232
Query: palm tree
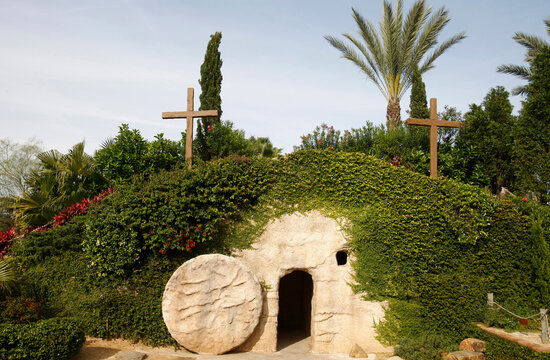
column 534, row 45
column 389, row 56
column 61, row 180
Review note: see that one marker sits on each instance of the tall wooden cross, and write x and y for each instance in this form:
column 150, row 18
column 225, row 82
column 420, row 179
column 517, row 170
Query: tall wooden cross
column 189, row 115
column 433, row 123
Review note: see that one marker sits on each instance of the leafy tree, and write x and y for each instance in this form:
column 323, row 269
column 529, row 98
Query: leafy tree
column 263, row 147
column 534, row 45
column 17, row 161
column 485, row 141
column 61, row 180
column 122, row 157
column 532, row 139
column 389, row 56
column 164, row 154
column 211, row 84
column 129, row 154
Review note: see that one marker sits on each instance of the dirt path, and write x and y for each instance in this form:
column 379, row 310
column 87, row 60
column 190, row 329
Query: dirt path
column 98, row 349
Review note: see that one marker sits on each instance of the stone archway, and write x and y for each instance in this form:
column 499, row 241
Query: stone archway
column 294, row 318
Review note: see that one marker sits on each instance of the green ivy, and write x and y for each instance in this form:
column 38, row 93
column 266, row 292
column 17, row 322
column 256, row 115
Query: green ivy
column 433, row 247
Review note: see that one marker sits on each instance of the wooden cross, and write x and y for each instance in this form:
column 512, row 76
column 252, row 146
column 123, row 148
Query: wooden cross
column 433, row 123
column 189, row 115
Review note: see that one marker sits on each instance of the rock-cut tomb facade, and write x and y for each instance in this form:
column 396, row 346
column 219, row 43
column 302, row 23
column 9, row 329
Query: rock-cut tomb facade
column 293, row 282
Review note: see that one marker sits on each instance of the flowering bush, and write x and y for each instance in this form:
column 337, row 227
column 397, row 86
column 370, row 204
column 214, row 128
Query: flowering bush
column 6, row 241
column 176, row 212
column 79, row 208
column 22, row 310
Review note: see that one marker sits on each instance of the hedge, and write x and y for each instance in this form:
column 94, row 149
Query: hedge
column 52, row 339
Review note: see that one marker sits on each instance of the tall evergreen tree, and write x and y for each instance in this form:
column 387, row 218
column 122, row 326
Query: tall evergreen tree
column 210, row 99
column 419, row 105
column 532, row 140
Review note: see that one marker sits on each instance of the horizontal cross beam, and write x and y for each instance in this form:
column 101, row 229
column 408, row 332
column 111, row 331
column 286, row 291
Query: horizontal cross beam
column 430, row 122
column 186, row 114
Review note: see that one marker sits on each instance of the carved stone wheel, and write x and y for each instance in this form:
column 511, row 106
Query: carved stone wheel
column 212, row 304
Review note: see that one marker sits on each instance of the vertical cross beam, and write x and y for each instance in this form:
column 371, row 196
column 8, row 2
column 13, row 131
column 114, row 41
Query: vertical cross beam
column 433, row 139
column 189, row 133
column 433, row 123
column 190, row 114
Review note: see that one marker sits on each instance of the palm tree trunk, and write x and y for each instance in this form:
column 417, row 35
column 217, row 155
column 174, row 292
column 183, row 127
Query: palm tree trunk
column 393, row 114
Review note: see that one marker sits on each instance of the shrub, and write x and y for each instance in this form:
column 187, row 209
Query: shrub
column 180, row 211
column 52, row 339
column 425, row 347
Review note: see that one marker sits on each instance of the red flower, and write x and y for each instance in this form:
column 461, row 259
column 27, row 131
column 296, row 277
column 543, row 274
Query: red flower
column 524, row 199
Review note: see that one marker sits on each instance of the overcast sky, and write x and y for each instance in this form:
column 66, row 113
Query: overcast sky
column 74, row 70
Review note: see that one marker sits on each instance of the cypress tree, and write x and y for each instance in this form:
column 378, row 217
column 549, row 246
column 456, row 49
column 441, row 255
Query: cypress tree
column 419, row 105
column 210, row 99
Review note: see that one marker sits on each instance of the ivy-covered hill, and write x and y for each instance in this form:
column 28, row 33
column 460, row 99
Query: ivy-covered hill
column 434, row 248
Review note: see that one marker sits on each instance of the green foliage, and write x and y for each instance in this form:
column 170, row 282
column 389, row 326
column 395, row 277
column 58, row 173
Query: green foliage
column 419, row 105
column 17, row 162
column 129, row 154
column 53, row 339
column 7, row 275
column 485, row 141
column 433, row 247
column 210, row 98
column 173, row 211
column 61, row 180
column 164, row 154
column 402, row 146
column 122, row 157
column 534, row 45
column 532, row 140
column 424, row 347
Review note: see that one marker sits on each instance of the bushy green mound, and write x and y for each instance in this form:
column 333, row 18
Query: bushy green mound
column 53, row 339
column 433, row 247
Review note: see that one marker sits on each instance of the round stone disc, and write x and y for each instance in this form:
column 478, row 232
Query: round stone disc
column 212, row 304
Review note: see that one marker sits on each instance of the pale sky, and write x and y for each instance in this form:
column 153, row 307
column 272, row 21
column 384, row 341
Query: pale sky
column 74, row 70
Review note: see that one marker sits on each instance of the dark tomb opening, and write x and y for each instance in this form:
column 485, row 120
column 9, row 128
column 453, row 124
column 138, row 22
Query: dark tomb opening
column 341, row 258
column 294, row 319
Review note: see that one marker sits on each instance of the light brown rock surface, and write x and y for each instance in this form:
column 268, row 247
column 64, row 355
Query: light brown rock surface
column 212, row 304
column 472, row 345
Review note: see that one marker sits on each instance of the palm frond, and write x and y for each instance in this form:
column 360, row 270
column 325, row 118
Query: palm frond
column 534, row 44
column 522, row 72
column 7, row 275
column 428, row 63
column 428, row 36
column 350, row 54
column 372, row 40
column 415, row 18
